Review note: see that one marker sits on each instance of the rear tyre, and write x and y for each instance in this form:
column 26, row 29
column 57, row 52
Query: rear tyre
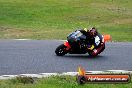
column 61, row 50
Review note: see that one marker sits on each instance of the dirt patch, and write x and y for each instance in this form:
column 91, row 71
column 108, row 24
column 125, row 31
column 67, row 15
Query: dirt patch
column 123, row 21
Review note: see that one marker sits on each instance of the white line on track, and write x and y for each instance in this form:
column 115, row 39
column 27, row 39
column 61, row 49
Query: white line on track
column 21, row 39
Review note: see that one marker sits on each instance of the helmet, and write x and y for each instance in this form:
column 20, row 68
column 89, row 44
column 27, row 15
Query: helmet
column 92, row 32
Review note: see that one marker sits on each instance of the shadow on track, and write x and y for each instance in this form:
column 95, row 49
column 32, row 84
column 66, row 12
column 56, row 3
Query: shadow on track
column 83, row 56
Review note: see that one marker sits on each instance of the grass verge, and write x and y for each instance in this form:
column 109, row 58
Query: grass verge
column 54, row 19
column 55, row 82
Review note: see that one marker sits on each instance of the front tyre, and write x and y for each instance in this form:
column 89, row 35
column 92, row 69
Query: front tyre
column 61, row 50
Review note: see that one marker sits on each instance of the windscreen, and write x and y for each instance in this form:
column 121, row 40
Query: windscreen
column 76, row 34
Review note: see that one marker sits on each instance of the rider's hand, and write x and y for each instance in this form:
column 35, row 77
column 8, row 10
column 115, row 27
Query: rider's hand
column 90, row 47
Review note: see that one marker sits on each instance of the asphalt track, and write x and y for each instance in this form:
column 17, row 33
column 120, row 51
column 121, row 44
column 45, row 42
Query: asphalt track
column 37, row 56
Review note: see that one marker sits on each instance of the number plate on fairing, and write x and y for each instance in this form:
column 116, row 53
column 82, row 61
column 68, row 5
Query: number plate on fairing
column 97, row 40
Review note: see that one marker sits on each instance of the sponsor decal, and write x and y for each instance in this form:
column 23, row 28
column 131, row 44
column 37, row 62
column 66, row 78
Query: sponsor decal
column 84, row 77
column 108, row 78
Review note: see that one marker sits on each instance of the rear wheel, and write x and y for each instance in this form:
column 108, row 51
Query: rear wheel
column 61, row 50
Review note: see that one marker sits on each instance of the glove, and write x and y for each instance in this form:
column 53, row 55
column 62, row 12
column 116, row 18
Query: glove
column 90, row 47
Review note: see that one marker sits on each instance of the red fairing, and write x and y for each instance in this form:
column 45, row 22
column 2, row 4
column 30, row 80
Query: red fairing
column 67, row 44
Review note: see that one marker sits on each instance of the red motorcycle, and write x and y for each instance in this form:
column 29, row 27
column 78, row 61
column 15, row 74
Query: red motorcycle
column 75, row 44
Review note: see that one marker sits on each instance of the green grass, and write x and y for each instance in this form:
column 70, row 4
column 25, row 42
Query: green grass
column 57, row 82
column 54, row 19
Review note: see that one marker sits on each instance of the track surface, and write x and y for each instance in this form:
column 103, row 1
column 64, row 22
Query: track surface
column 37, row 56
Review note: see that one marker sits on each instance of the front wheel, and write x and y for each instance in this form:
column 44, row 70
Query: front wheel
column 61, row 50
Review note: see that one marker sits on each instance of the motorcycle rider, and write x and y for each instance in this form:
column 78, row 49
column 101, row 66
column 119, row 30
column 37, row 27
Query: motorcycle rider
column 93, row 40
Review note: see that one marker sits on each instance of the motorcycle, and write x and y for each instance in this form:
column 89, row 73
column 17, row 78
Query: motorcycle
column 75, row 44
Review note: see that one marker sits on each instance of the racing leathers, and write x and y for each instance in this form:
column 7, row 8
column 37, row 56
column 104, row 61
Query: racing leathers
column 93, row 43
